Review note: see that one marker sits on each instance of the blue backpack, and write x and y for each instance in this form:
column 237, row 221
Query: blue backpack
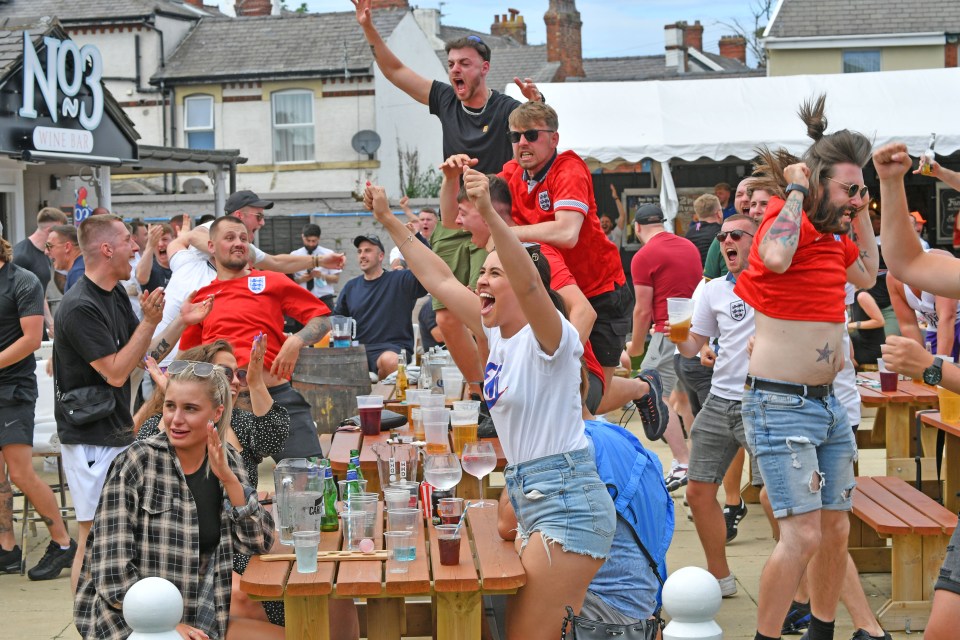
column 634, row 478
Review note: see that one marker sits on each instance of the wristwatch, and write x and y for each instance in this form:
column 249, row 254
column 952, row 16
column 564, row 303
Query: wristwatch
column 793, row 186
column 934, row 373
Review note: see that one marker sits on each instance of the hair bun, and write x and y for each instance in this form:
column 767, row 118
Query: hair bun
column 811, row 112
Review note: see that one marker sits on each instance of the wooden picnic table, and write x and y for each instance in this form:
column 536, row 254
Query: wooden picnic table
column 951, row 459
column 488, row 565
column 898, row 408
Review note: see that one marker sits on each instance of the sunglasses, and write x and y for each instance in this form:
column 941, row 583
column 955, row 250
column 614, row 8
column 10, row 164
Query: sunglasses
column 50, row 245
column 530, row 134
column 852, row 189
column 258, row 216
column 736, row 234
column 206, row 369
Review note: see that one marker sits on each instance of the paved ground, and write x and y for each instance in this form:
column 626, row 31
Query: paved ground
column 42, row 610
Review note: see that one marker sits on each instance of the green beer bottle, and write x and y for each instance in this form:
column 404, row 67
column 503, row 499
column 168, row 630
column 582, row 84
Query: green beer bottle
column 355, row 461
column 329, row 521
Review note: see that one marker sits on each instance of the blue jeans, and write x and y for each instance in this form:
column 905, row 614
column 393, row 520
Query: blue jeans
column 805, row 450
column 563, row 498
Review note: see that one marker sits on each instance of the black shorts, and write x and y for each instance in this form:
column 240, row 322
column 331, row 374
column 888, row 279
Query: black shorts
column 614, row 315
column 594, row 392
column 374, row 351
column 694, row 379
column 17, row 423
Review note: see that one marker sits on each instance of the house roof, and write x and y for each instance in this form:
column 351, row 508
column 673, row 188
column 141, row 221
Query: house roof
column 274, row 46
column 809, row 18
column 655, row 68
column 71, row 11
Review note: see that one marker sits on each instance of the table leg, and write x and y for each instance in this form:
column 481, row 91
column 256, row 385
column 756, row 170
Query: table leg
column 900, row 463
column 384, row 618
column 307, row 617
column 459, row 615
column 951, row 474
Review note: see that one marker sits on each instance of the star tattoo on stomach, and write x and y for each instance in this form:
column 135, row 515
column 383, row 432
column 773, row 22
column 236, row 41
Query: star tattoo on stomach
column 823, row 355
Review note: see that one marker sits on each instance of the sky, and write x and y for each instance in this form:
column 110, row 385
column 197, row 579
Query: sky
column 610, row 27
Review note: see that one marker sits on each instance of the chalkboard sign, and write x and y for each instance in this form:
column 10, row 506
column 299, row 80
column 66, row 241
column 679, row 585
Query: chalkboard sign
column 634, row 198
column 948, row 205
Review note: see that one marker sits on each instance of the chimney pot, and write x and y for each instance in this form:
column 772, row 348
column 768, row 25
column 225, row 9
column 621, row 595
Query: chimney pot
column 693, row 36
column 512, row 27
column 563, row 38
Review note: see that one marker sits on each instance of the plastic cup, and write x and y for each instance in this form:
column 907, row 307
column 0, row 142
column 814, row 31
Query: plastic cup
column 949, row 405
column 414, row 396
column 466, row 404
column 448, row 539
column 396, row 499
column 306, row 543
column 371, row 409
column 416, row 423
column 464, row 423
column 680, row 312
column 452, row 383
column 344, row 497
column 437, row 434
column 353, row 524
column 881, row 366
column 432, row 401
column 450, row 510
column 367, row 505
column 401, row 551
column 402, row 519
column 412, row 488
column 888, row 380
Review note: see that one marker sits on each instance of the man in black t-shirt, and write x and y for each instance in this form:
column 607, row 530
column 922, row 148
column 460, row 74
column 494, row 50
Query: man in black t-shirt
column 30, row 253
column 474, row 121
column 99, row 343
column 21, row 325
column 709, row 217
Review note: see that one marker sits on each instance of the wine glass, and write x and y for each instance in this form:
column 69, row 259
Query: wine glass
column 479, row 459
column 442, row 470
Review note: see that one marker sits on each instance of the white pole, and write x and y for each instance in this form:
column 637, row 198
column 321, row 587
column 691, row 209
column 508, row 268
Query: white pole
column 691, row 597
column 153, row 608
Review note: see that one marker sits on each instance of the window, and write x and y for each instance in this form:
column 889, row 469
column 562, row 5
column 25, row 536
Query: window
column 861, row 61
column 293, row 126
column 198, row 122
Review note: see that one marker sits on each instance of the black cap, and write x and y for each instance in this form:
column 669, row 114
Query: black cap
column 372, row 239
column 648, row 214
column 242, row 199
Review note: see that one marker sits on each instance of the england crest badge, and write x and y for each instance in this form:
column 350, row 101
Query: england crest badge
column 257, row 284
column 544, row 200
column 738, row 310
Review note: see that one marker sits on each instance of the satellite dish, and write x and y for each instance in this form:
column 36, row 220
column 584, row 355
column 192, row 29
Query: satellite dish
column 194, row 185
column 366, row 141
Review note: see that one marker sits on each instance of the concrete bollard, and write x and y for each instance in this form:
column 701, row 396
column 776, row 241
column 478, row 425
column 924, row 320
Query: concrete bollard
column 153, row 608
column 691, row 597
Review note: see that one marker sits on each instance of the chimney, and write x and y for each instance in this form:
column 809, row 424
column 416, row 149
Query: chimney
column 563, row 38
column 196, row 3
column 950, row 51
column 389, row 4
column 247, row 8
column 512, row 26
column 674, row 47
column 734, row 47
column 693, row 36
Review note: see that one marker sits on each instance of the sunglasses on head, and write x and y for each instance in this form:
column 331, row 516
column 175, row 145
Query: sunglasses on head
column 852, row 189
column 736, row 234
column 530, row 134
column 206, row 369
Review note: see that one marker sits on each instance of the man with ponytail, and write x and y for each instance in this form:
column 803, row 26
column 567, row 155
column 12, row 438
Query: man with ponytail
column 807, row 247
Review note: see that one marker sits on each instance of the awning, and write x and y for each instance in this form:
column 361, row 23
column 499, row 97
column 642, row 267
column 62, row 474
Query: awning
column 716, row 119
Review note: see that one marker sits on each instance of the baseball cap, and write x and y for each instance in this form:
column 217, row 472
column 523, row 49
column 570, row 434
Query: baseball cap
column 372, row 239
column 241, row 199
column 648, row 214
column 916, row 216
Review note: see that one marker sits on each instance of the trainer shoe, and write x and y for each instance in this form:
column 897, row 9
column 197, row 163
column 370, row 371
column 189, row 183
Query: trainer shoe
column 861, row 634
column 10, row 560
column 677, row 477
column 733, row 516
column 653, row 412
column 798, row 618
column 728, row 586
column 54, row 561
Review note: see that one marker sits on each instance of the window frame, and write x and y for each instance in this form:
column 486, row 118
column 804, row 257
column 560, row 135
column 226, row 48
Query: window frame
column 872, row 52
column 274, row 127
column 187, row 129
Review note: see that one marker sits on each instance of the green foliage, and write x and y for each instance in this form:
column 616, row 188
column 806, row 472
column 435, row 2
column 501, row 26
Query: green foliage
column 415, row 183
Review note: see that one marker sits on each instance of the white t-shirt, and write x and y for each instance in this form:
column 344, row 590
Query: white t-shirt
column 258, row 255
column 534, row 398
column 615, row 236
column 720, row 313
column 192, row 270
column 926, row 306
column 320, row 286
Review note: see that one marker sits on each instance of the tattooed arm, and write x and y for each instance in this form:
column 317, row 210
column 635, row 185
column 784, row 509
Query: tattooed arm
column 780, row 242
column 286, row 359
column 863, row 272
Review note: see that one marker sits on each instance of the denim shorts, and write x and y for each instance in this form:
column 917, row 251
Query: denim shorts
column 949, row 579
column 563, row 498
column 715, row 437
column 805, row 450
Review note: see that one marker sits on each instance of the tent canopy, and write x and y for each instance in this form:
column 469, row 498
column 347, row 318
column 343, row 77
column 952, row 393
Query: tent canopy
column 718, row 118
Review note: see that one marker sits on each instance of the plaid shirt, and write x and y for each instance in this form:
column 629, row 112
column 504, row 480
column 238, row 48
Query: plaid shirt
column 147, row 525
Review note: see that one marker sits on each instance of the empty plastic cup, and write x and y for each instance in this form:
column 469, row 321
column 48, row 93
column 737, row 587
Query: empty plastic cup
column 366, row 504
column 353, row 523
column 401, row 550
column 452, row 383
column 432, row 401
column 371, row 409
column 396, row 499
column 402, row 519
column 412, row 488
column 306, row 543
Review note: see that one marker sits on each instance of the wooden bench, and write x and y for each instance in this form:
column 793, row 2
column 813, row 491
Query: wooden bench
column 919, row 527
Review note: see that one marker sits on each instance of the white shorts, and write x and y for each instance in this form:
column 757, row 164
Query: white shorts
column 86, row 467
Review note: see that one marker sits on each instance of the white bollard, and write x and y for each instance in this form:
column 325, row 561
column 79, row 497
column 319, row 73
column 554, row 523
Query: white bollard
column 691, row 597
column 153, row 608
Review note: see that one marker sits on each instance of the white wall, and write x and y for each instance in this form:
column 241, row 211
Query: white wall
column 398, row 115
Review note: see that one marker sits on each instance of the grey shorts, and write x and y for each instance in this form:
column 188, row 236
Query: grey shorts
column 659, row 356
column 17, row 423
column 715, row 437
column 949, row 579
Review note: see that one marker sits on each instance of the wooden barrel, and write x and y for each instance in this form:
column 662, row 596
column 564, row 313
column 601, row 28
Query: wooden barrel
column 330, row 380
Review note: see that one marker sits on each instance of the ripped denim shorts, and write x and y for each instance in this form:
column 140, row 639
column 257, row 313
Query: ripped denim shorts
column 563, row 498
column 805, row 449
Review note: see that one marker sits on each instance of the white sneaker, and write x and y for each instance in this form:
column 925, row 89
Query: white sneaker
column 728, row 586
column 677, row 477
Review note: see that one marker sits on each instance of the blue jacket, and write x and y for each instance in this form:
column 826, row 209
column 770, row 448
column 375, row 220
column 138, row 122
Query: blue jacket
column 634, row 478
